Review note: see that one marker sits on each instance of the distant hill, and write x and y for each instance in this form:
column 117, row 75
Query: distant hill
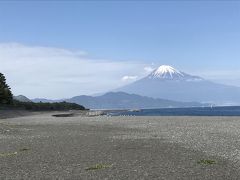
column 121, row 100
column 36, row 100
column 21, row 98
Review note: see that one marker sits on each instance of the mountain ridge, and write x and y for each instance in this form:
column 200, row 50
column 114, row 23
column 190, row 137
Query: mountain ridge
column 122, row 100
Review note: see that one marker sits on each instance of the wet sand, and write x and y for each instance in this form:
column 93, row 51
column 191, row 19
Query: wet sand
column 41, row 146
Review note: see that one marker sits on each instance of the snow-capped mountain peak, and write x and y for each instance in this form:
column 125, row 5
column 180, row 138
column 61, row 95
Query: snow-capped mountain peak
column 166, row 72
column 169, row 73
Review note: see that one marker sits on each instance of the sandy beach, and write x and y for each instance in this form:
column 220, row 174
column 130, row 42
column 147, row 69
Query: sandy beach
column 40, row 146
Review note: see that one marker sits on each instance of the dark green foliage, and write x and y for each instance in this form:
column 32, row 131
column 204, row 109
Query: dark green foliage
column 6, row 96
column 47, row 106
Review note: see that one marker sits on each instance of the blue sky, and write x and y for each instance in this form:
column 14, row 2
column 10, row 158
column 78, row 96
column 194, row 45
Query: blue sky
column 198, row 37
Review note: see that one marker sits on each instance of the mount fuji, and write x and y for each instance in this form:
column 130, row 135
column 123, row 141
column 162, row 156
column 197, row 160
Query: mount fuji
column 166, row 72
column 169, row 83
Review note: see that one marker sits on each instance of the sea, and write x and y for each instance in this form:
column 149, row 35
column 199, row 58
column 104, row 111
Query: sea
column 193, row 111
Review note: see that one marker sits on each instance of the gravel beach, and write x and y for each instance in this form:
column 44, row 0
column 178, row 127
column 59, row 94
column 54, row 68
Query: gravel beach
column 41, row 146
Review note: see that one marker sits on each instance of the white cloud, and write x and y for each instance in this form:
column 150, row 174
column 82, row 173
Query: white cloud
column 129, row 78
column 228, row 77
column 148, row 69
column 58, row 73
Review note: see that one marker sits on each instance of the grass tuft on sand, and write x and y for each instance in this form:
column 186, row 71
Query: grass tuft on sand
column 8, row 154
column 98, row 167
column 206, row 161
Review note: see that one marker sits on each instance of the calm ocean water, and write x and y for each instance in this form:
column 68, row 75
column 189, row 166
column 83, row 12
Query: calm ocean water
column 196, row 111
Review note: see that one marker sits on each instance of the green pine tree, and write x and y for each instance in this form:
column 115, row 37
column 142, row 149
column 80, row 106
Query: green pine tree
column 6, row 96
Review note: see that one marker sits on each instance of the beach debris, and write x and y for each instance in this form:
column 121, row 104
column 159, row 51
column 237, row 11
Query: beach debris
column 24, row 149
column 96, row 113
column 63, row 115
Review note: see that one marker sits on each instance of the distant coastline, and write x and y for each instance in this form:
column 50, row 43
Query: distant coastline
column 190, row 111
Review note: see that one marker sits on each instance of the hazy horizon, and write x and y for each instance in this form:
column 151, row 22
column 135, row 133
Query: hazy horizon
column 59, row 50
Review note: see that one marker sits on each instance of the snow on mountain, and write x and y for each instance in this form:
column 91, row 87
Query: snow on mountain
column 167, row 72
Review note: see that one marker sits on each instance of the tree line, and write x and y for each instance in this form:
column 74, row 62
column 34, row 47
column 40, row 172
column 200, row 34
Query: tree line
column 7, row 101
